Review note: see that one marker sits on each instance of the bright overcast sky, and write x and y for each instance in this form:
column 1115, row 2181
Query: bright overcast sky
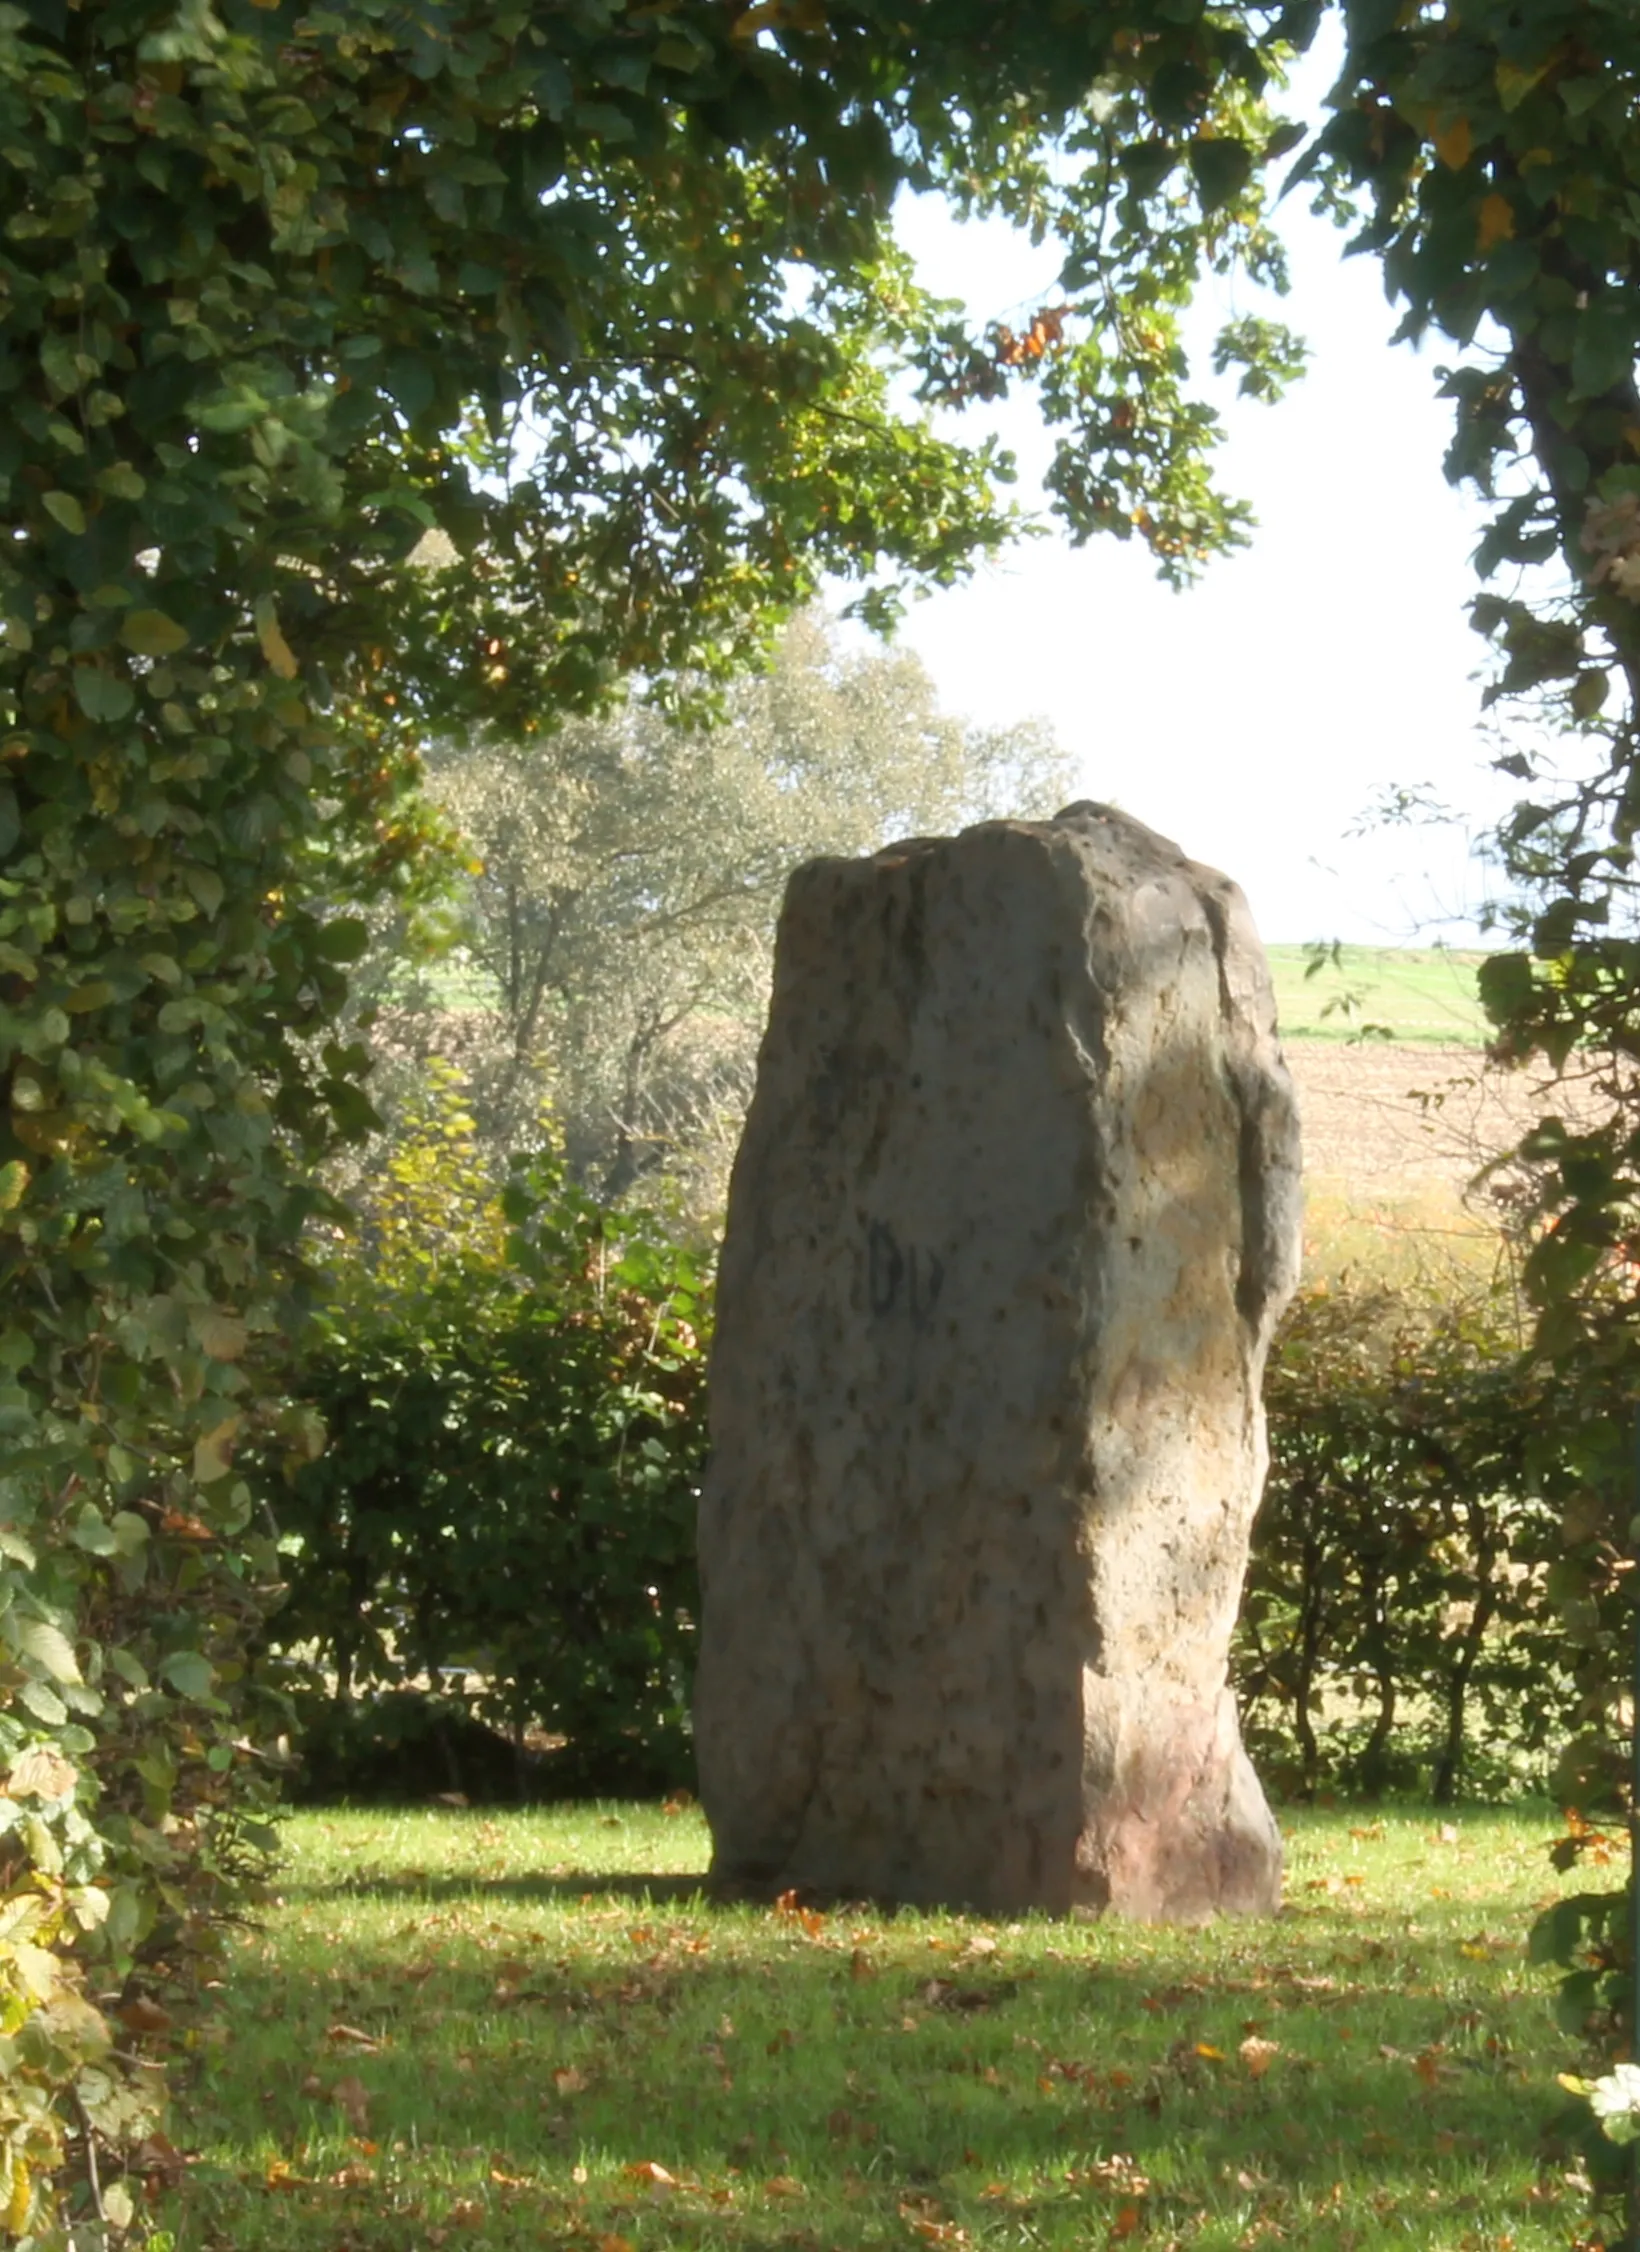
column 1257, row 717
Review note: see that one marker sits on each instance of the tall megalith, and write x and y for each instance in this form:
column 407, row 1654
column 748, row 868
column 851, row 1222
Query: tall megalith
column 1014, row 1215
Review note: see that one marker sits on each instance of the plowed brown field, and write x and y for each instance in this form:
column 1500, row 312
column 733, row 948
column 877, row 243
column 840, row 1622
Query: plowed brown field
column 1394, row 1139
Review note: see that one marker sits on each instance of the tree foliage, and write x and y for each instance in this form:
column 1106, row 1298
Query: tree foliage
column 1495, row 151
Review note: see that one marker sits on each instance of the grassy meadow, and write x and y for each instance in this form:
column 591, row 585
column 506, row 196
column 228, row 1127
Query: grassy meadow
column 492, row 2032
column 1424, row 995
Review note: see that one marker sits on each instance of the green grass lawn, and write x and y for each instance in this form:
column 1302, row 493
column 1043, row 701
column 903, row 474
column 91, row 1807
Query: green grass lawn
column 1422, row 994
column 498, row 2032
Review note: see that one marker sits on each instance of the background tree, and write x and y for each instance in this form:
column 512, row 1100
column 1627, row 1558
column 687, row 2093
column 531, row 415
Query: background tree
column 619, row 919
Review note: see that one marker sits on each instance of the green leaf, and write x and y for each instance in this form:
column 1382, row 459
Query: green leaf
column 44, row 1703
column 188, row 1673
column 48, row 1646
column 150, row 633
column 65, row 510
column 121, row 481
column 93, row 1532
column 345, row 938
column 103, row 696
column 1221, row 169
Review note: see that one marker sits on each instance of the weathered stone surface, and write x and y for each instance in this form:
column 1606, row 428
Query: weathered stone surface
column 1015, row 1212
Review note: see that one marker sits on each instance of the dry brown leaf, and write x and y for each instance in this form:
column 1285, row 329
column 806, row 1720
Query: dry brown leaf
column 142, row 2014
column 350, row 2037
column 353, row 2097
column 1258, row 2055
column 568, row 2081
column 646, row 2170
column 40, row 1772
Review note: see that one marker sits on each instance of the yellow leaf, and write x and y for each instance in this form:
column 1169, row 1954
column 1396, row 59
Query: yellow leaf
column 1206, row 2049
column 1495, row 222
column 275, row 647
column 213, row 1451
column 222, row 1335
column 1453, row 143
column 17, row 2204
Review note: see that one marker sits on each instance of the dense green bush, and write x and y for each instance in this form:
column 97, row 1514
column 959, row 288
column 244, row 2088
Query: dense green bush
column 1397, row 1630
column 501, row 1529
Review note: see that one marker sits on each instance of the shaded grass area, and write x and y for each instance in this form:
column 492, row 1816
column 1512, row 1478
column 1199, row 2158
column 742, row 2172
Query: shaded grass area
column 506, row 2032
column 1418, row 994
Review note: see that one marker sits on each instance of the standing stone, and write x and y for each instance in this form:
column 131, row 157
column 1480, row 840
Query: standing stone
column 1014, row 1216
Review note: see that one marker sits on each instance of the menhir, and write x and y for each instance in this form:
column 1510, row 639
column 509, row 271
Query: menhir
column 1015, row 1213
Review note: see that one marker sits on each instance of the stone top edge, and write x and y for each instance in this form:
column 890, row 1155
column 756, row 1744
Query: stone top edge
column 1086, row 818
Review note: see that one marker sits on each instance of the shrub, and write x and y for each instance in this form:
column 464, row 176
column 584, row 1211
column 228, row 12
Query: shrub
column 513, row 1385
column 1396, row 1629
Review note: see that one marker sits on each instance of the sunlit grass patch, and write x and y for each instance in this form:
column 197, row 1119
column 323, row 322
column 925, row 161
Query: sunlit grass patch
column 493, row 2032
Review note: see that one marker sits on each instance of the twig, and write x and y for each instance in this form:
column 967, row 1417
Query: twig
column 90, row 2134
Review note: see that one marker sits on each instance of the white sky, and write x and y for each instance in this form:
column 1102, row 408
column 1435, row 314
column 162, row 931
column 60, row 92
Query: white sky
column 1255, row 718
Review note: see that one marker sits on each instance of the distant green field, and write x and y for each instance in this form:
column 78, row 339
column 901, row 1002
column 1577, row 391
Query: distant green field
column 1422, row 994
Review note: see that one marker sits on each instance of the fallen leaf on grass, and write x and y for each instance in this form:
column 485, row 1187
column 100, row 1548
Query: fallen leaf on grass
column 568, row 2081
column 945, row 1994
column 1129, row 2219
column 790, row 1909
column 1429, row 2068
column 1258, row 2055
column 842, row 2126
column 924, row 2218
column 350, row 2037
column 783, row 2185
column 1118, row 2172
column 354, row 2098
column 646, row 2170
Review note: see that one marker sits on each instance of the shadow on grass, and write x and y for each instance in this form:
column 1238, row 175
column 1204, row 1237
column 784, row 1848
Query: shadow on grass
column 876, row 2073
column 567, row 1889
